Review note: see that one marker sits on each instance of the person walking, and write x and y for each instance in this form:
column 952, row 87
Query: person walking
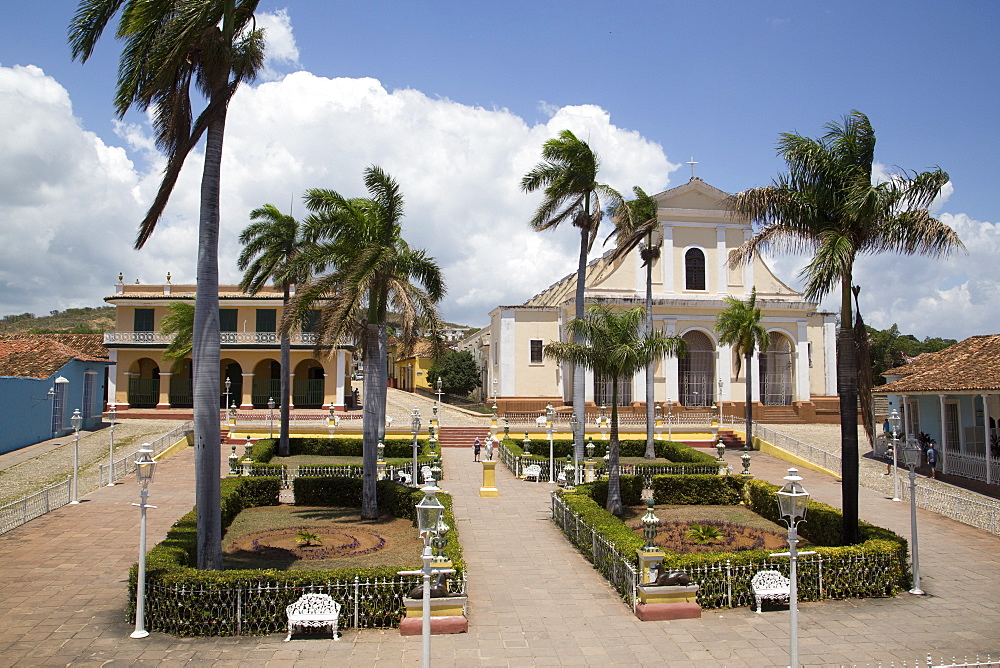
column 932, row 459
column 476, row 447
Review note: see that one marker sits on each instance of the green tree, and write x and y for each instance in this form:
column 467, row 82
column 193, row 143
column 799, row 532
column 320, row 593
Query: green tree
column 171, row 49
column 615, row 348
column 371, row 269
column 827, row 204
column 739, row 325
column 568, row 179
column 179, row 321
column 458, row 372
column 638, row 229
column 272, row 245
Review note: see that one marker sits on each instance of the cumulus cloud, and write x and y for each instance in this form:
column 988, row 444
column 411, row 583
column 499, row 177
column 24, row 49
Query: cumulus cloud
column 282, row 51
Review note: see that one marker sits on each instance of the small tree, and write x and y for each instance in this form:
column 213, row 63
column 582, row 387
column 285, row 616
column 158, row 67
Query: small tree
column 458, row 372
column 739, row 325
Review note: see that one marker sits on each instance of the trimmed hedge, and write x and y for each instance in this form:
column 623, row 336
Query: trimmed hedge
column 677, row 453
column 266, row 448
column 630, row 488
column 697, row 490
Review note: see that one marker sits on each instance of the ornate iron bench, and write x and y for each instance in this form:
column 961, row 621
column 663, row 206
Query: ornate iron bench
column 533, row 471
column 770, row 585
column 314, row 610
column 425, row 473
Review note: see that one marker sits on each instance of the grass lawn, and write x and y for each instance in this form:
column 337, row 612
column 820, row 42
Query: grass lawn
column 346, row 540
column 741, row 528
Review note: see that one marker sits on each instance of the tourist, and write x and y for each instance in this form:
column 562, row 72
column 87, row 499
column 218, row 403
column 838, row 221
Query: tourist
column 476, row 446
column 932, row 459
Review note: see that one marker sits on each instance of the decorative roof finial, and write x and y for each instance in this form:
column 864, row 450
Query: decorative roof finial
column 692, row 162
column 120, row 276
column 168, row 277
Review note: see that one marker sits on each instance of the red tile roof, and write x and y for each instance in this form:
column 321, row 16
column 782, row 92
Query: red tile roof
column 41, row 355
column 969, row 365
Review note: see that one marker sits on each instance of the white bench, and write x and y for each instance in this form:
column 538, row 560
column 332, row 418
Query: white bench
column 404, row 477
column 314, row 610
column 425, row 473
column 770, row 585
column 533, row 471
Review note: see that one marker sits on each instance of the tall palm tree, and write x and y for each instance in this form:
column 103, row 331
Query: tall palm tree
column 179, row 321
column 169, row 48
column 827, row 204
column 739, row 325
column 568, row 177
column 615, row 348
column 271, row 248
column 630, row 231
column 372, row 272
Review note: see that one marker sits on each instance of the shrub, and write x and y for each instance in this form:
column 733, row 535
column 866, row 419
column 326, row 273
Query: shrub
column 266, row 448
column 630, row 486
column 703, row 490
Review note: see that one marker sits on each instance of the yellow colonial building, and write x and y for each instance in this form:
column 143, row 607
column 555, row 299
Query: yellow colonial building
column 250, row 353
column 796, row 376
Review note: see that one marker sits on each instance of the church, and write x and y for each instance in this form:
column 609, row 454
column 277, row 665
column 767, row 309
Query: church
column 793, row 381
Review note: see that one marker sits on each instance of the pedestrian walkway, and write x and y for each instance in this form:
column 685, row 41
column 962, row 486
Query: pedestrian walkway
column 533, row 600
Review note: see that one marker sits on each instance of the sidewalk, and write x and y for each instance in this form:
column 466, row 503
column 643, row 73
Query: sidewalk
column 533, row 600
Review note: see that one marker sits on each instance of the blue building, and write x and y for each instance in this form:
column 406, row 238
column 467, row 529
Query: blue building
column 43, row 379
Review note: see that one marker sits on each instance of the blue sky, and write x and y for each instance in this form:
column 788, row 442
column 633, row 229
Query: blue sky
column 455, row 100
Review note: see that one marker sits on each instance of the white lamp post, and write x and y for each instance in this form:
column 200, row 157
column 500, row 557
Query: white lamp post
column 911, row 454
column 112, row 415
column 77, row 422
column 576, row 460
column 438, row 385
column 429, row 513
column 792, row 502
column 550, row 414
column 670, row 420
column 415, row 428
column 144, row 467
column 270, row 416
column 894, row 423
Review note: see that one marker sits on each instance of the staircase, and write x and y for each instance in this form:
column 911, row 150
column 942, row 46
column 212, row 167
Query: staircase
column 777, row 415
column 461, row 437
column 731, row 440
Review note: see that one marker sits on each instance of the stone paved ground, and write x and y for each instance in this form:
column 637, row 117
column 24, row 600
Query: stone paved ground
column 533, row 599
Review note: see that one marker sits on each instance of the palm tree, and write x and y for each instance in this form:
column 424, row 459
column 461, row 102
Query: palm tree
column 372, row 271
column 739, row 325
column 179, row 321
column 568, row 175
column 827, row 204
column 634, row 230
column 169, row 48
column 271, row 248
column 615, row 349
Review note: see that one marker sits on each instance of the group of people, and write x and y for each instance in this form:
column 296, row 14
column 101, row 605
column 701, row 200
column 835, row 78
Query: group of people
column 490, row 442
column 930, row 452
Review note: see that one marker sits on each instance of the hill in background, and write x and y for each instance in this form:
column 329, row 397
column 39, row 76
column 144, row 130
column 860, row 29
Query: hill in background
column 71, row 321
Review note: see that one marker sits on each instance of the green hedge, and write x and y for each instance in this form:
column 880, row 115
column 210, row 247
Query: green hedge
column 675, row 452
column 697, row 490
column 184, row 601
column 266, row 448
column 630, row 487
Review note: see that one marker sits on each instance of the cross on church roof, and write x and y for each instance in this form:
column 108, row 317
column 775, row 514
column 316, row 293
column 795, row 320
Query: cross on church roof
column 692, row 162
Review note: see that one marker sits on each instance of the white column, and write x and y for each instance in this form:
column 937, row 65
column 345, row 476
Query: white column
column 246, row 400
column 340, row 379
column 113, row 378
column 905, row 412
column 944, row 438
column 639, row 385
column 670, row 367
column 291, row 391
column 721, row 260
column 724, row 371
column 802, row 392
column 588, row 388
column 986, row 428
column 667, row 262
column 755, row 383
column 164, row 398
column 830, row 356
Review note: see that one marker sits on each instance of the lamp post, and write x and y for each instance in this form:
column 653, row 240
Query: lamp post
column 894, row 423
column 550, row 414
column 792, row 502
column 112, row 415
column 911, row 454
column 77, row 422
column 144, row 467
column 439, row 384
column 229, row 384
column 670, row 420
column 429, row 514
column 415, row 429
column 270, row 417
column 576, row 460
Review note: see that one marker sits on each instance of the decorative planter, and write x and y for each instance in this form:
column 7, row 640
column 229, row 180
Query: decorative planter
column 658, row 603
column 447, row 616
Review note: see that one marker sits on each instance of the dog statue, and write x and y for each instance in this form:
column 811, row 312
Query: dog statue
column 663, row 578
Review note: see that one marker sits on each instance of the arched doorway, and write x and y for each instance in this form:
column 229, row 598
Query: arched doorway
column 234, row 372
column 181, row 389
column 266, row 383
column 776, row 371
column 307, row 390
column 144, row 384
column 696, row 371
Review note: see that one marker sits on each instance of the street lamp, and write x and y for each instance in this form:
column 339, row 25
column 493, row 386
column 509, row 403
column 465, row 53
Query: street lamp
column 229, row 384
column 415, row 429
column 144, row 467
column 439, row 384
column 792, row 502
column 670, row 420
column 576, row 460
column 430, row 512
column 894, row 423
column 911, row 454
column 112, row 415
column 270, row 416
column 77, row 422
column 550, row 414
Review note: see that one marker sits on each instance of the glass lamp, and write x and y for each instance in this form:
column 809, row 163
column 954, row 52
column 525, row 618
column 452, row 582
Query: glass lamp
column 429, row 510
column 912, row 453
column 793, row 498
column 144, row 466
column 76, row 420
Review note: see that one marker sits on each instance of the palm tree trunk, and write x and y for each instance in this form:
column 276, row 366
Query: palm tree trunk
column 614, row 504
column 749, row 400
column 205, row 354
column 651, row 367
column 847, row 390
column 579, row 372
column 374, row 414
column 284, row 447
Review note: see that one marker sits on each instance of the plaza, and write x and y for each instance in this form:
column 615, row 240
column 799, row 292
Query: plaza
column 533, row 600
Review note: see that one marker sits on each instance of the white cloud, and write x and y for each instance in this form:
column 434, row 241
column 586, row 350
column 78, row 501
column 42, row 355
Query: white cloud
column 281, row 49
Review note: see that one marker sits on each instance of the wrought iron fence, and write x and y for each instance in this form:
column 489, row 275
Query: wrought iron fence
column 125, row 465
column 258, row 608
column 24, row 510
column 829, row 461
column 288, row 474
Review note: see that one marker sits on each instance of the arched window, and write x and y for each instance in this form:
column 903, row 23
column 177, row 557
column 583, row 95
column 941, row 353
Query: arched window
column 776, row 371
column 694, row 269
column 696, row 371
